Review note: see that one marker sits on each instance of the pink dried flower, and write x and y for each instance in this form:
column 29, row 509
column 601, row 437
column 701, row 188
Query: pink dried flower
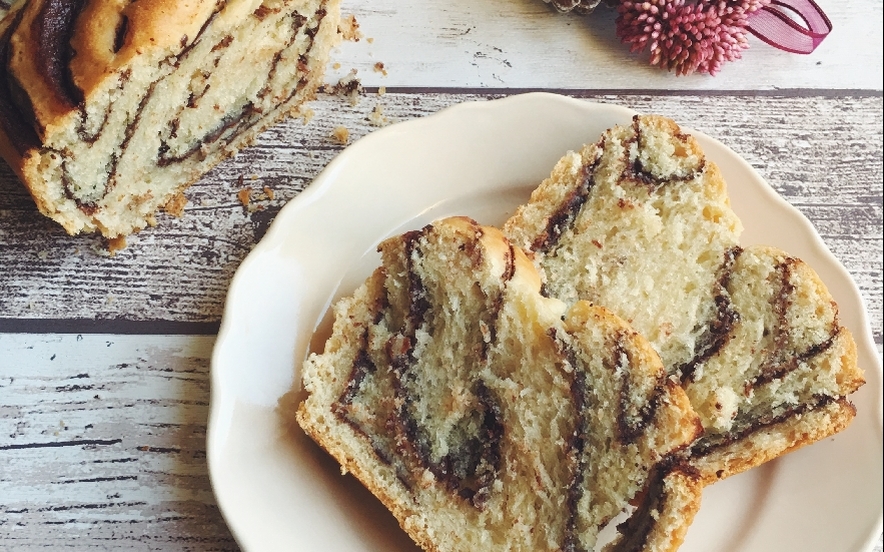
column 687, row 37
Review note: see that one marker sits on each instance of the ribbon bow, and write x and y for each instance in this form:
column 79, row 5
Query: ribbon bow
column 780, row 25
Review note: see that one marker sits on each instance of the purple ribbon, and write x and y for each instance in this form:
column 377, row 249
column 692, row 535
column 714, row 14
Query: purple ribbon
column 779, row 24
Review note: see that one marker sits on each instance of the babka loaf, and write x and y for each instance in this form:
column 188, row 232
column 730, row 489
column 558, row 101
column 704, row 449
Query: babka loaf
column 108, row 110
column 488, row 417
column 640, row 222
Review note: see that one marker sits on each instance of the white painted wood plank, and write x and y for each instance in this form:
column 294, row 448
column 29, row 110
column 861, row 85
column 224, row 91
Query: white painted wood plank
column 102, row 444
column 525, row 44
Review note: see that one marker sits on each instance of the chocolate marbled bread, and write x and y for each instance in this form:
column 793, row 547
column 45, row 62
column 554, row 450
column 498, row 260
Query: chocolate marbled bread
column 486, row 416
column 640, row 222
column 108, row 110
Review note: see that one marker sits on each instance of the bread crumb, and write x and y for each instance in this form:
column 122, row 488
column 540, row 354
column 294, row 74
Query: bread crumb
column 349, row 86
column 382, row 90
column 370, row 40
column 245, row 196
column 268, row 192
column 336, row 66
column 341, row 135
column 175, row 205
column 116, row 244
column 349, row 28
column 377, row 117
column 379, row 68
column 307, row 115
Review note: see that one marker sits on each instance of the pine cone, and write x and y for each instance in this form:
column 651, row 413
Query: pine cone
column 581, row 7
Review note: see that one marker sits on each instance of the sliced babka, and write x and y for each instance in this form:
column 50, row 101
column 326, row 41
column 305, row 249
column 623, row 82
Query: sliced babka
column 640, row 222
column 486, row 416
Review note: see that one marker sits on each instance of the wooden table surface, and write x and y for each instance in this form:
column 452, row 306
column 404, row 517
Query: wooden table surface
column 105, row 360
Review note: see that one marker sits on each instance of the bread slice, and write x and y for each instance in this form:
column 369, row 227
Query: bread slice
column 109, row 110
column 640, row 222
column 484, row 415
column 781, row 377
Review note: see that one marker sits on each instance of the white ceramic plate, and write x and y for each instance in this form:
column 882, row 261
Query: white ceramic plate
column 278, row 491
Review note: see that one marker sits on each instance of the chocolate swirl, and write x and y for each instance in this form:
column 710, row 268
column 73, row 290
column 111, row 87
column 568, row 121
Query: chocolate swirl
column 781, row 358
column 635, row 412
column 637, row 528
column 471, row 459
column 637, row 172
column 469, row 462
column 52, row 28
column 717, row 329
column 16, row 111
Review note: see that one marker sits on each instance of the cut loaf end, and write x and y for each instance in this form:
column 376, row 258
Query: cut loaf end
column 109, row 111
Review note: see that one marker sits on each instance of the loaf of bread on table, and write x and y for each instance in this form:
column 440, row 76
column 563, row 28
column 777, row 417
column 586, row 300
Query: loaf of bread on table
column 640, row 223
column 109, row 110
column 486, row 416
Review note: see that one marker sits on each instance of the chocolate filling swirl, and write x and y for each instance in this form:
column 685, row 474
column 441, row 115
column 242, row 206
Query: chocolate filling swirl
column 569, row 208
column 781, row 358
column 636, row 171
column 52, row 28
column 778, row 359
column 717, row 330
column 635, row 411
column 16, row 111
column 751, row 424
column 420, row 417
column 470, row 461
column 637, row 528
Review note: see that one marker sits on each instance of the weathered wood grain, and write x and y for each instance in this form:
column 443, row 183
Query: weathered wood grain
column 822, row 153
column 102, row 444
column 524, row 43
